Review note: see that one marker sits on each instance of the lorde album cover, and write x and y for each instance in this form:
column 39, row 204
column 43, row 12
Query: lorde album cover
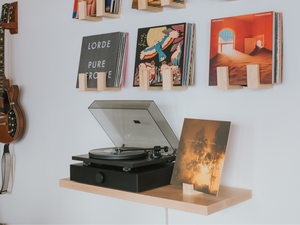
column 201, row 154
column 160, row 48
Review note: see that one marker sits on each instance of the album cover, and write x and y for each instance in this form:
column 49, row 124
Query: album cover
column 201, row 154
column 100, row 53
column 108, row 5
column 160, row 48
column 239, row 41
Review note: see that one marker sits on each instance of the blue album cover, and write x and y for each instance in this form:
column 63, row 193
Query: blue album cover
column 107, row 5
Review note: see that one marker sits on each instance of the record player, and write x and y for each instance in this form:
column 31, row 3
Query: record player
column 144, row 152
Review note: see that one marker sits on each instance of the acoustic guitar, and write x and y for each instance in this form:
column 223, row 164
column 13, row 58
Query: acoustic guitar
column 11, row 117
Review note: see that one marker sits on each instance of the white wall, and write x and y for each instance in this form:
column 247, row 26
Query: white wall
column 263, row 151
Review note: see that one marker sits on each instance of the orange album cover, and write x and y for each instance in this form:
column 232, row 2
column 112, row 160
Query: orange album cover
column 200, row 155
column 239, row 41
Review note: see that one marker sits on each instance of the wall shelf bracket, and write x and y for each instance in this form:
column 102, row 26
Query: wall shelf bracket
column 188, row 189
column 143, row 5
column 253, row 78
column 101, row 83
column 223, row 79
column 100, row 11
column 167, row 84
column 175, row 5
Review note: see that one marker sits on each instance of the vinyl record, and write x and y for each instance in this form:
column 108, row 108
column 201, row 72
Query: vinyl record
column 117, row 153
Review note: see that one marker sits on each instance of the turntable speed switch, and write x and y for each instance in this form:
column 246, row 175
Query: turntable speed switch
column 99, row 178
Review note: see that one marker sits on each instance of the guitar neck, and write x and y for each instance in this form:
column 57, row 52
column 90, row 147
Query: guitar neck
column 4, row 18
column 2, row 77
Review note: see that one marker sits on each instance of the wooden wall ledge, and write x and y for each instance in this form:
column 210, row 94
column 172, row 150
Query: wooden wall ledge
column 170, row 196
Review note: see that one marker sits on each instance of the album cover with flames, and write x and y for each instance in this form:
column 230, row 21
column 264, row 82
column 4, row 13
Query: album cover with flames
column 201, row 154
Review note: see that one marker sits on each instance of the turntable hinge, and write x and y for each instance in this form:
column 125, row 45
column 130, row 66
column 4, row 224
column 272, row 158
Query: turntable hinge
column 86, row 163
column 126, row 169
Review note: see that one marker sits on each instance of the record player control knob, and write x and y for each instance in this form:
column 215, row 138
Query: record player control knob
column 99, row 178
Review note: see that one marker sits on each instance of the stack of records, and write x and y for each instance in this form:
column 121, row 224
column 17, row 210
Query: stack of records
column 166, row 47
column 244, row 40
column 104, row 53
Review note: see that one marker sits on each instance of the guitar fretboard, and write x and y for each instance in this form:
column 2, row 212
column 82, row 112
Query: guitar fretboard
column 1, row 62
column 3, row 19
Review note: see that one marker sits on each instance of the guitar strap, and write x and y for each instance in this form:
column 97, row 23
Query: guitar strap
column 5, row 168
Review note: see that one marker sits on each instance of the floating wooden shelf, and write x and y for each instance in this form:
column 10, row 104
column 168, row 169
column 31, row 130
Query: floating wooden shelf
column 253, row 79
column 100, row 11
column 101, row 83
column 167, row 83
column 143, row 5
column 170, row 196
column 175, row 5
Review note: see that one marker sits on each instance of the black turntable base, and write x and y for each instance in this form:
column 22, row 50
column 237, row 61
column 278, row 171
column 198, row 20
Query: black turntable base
column 144, row 147
column 136, row 180
column 128, row 169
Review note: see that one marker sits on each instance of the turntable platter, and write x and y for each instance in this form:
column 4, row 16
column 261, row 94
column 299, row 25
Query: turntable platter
column 117, row 153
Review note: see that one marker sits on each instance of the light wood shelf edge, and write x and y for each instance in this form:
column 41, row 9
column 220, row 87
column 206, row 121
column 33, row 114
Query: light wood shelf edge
column 175, row 5
column 170, row 196
column 143, row 5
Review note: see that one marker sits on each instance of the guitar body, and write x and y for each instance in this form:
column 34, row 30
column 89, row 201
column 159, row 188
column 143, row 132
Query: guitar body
column 11, row 117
